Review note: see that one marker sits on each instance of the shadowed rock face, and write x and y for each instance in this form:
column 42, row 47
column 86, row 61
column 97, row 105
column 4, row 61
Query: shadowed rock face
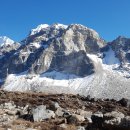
column 75, row 63
column 6, row 52
column 54, row 48
column 121, row 46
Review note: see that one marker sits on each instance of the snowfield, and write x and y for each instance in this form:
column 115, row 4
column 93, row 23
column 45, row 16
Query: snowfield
column 106, row 82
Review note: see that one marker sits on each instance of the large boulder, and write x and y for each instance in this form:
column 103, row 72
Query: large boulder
column 124, row 102
column 41, row 113
column 113, row 118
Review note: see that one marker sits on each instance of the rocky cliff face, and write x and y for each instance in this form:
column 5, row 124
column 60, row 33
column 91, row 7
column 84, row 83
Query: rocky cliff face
column 56, row 47
column 7, row 48
column 121, row 47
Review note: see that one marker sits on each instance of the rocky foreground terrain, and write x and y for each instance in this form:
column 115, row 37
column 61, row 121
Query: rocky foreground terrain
column 40, row 111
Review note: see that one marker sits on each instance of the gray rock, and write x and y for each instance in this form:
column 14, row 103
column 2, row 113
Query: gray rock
column 84, row 113
column 113, row 118
column 79, row 117
column 41, row 113
column 72, row 120
column 30, row 129
column 54, row 106
column 10, row 106
column 115, row 121
column 98, row 114
column 80, row 128
column 113, row 114
column 9, row 112
column 26, row 109
column 75, row 118
column 66, row 113
column 125, row 122
column 97, row 119
column 124, row 102
column 4, row 118
column 59, row 112
column 63, row 126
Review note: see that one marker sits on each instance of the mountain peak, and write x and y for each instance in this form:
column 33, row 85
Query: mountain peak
column 39, row 28
column 45, row 26
column 121, row 37
column 5, row 41
column 58, row 25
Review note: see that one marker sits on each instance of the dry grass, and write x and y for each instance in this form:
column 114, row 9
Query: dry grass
column 22, row 124
column 65, row 101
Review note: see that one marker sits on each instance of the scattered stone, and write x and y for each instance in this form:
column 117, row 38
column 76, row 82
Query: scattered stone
column 9, row 112
column 31, row 129
column 97, row 119
column 125, row 122
column 2, row 111
column 54, row 106
column 73, row 119
column 86, row 114
column 63, row 126
column 124, row 102
column 74, row 116
column 79, row 117
column 80, row 128
column 26, row 109
column 113, row 118
column 113, row 114
column 98, row 114
column 59, row 112
column 9, row 105
column 4, row 118
column 66, row 113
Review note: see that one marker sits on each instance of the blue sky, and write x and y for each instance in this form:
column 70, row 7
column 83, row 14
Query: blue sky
column 110, row 18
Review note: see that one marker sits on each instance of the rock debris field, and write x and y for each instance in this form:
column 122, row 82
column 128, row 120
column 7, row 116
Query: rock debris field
column 40, row 111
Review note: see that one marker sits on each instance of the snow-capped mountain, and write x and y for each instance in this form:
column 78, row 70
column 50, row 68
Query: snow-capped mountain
column 7, row 46
column 5, row 41
column 68, row 59
column 38, row 29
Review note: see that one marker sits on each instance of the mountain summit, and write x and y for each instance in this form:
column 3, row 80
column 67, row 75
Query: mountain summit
column 67, row 59
column 43, row 27
column 5, row 41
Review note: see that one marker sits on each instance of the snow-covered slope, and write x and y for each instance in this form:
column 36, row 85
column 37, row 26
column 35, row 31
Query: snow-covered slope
column 105, row 83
